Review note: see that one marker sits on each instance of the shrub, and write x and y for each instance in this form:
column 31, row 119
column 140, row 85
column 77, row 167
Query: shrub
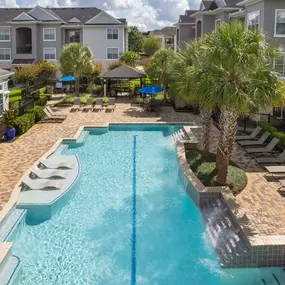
column 38, row 112
column 42, row 90
column 69, row 100
column 139, row 100
column 115, row 64
column 268, row 127
column 131, row 58
column 146, row 61
column 152, row 45
column 158, row 97
column 281, row 137
column 41, row 101
column 24, row 123
column 105, row 100
column 8, row 118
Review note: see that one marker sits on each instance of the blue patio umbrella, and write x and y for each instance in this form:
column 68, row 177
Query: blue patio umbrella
column 67, row 79
column 151, row 90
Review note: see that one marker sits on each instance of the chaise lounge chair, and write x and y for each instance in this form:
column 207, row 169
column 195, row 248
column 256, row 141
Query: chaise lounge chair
column 76, row 105
column 98, row 104
column 111, row 105
column 89, row 104
column 39, row 184
column 48, row 173
column 54, row 114
column 279, row 159
column 275, row 169
column 268, row 148
column 252, row 136
column 55, row 165
column 260, row 141
column 51, row 118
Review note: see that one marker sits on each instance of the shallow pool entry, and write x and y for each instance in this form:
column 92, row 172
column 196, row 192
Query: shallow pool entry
column 128, row 220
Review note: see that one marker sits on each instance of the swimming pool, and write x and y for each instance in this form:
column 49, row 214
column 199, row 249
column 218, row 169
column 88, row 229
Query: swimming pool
column 127, row 221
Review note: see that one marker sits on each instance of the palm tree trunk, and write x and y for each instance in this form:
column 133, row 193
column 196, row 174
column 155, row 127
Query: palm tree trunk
column 77, row 86
column 206, row 129
column 228, row 124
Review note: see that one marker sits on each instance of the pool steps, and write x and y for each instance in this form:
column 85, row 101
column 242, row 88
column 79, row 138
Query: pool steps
column 11, row 270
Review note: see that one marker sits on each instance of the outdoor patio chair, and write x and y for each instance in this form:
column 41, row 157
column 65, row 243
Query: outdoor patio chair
column 53, row 118
column 275, row 169
column 89, row 104
column 99, row 104
column 54, row 114
column 39, row 184
column 111, row 105
column 282, row 185
column 76, row 105
column 253, row 135
column 279, row 159
column 260, row 141
column 48, row 173
column 53, row 165
column 268, row 148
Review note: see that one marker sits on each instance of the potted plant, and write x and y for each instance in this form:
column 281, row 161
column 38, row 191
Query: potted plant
column 8, row 119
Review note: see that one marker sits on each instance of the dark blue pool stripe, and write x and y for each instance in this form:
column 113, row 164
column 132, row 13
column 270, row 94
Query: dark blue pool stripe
column 134, row 261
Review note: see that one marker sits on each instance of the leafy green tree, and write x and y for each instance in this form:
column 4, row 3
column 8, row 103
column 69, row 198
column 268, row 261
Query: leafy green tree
column 135, row 39
column 160, row 67
column 92, row 72
column 131, row 58
column 115, row 64
column 75, row 59
column 232, row 73
column 46, row 69
column 28, row 73
column 151, row 45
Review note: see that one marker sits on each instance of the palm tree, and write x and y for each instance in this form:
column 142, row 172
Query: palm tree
column 181, row 86
column 75, row 59
column 233, row 74
column 161, row 67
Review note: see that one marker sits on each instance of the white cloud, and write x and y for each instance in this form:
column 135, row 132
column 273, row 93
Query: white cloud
column 146, row 14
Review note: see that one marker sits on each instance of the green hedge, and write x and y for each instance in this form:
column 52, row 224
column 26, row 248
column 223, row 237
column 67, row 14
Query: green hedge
column 38, row 111
column 69, row 100
column 268, row 127
column 24, row 123
column 15, row 95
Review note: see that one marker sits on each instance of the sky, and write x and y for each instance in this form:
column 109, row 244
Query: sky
column 145, row 14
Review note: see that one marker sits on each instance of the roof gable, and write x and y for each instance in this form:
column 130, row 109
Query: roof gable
column 24, row 17
column 74, row 20
column 42, row 14
column 103, row 18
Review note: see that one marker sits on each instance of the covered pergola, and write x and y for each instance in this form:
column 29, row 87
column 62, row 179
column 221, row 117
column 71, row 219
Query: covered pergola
column 124, row 72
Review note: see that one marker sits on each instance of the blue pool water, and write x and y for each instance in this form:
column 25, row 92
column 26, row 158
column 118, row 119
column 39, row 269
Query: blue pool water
column 128, row 221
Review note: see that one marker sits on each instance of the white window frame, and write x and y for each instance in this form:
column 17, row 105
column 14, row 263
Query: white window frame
column 45, row 48
column 112, row 58
column 275, row 24
column 254, row 12
column 10, row 55
column 49, row 39
column 216, row 21
column 3, row 29
column 107, row 34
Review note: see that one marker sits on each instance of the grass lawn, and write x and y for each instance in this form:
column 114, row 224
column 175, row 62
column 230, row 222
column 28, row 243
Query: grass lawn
column 15, row 95
column 204, row 169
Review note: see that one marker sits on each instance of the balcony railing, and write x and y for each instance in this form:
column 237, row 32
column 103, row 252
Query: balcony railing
column 24, row 50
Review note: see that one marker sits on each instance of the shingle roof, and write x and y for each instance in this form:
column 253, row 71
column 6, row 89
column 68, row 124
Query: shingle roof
column 231, row 3
column 167, row 31
column 190, row 12
column 124, row 72
column 186, row 19
column 83, row 14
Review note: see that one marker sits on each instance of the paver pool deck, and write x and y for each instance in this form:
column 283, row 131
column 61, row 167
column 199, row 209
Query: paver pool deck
column 260, row 200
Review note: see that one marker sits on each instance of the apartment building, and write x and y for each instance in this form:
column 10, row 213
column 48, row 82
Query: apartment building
column 166, row 35
column 30, row 35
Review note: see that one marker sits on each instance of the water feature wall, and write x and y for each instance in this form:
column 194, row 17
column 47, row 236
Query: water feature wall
column 233, row 238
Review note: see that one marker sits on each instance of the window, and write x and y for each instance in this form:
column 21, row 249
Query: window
column 112, row 53
column 279, row 23
column 112, row 34
column 5, row 54
column 217, row 23
column 74, row 36
column 5, row 35
column 49, row 34
column 49, row 53
column 253, row 20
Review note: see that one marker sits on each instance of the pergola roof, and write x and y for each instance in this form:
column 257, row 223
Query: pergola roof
column 123, row 72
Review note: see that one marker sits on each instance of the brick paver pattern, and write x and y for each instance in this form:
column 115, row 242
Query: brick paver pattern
column 262, row 203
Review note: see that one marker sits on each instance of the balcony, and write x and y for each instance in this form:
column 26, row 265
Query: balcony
column 24, row 50
column 23, row 41
column 72, row 36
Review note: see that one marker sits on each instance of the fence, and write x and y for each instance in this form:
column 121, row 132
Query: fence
column 21, row 106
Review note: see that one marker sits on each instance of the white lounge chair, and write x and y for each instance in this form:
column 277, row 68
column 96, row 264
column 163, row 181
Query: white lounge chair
column 267, row 149
column 39, row 184
column 99, row 104
column 89, row 104
column 48, row 173
column 76, row 105
column 54, row 114
column 260, row 141
column 111, row 105
column 279, row 159
column 55, row 165
column 53, row 118
column 253, row 135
